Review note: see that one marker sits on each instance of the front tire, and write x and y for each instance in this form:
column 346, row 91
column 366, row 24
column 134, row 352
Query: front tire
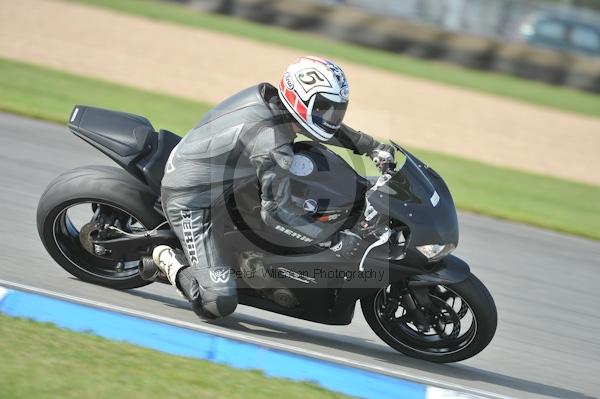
column 88, row 188
column 439, row 345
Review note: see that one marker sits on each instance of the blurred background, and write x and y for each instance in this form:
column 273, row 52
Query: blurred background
column 499, row 19
column 508, row 36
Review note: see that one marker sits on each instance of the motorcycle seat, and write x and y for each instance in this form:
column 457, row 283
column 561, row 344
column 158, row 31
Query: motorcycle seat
column 125, row 135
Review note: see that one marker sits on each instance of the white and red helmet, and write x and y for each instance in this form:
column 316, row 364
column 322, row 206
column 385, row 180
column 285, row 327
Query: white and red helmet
column 315, row 91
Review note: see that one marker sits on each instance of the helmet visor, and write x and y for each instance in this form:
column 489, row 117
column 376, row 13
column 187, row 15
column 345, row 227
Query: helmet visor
column 328, row 114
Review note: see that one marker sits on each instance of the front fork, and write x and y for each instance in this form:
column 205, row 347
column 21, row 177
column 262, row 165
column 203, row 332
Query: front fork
column 415, row 300
column 414, row 294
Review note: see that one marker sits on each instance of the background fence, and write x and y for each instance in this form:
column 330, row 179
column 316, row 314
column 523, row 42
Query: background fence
column 420, row 28
column 498, row 19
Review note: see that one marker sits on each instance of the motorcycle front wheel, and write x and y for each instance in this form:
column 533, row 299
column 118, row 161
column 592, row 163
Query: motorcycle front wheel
column 458, row 322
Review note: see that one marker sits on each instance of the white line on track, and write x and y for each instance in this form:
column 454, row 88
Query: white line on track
column 248, row 338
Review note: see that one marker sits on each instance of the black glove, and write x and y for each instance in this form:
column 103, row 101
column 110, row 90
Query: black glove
column 384, row 157
column 347, row 244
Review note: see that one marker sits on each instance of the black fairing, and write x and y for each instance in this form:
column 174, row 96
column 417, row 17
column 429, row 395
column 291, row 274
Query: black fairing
column 153, row 164
column 410, row 197
column 453, row 270
column 335, row 186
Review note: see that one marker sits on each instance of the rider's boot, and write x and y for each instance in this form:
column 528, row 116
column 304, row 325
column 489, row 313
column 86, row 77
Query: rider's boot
column 168, row 262
column 165, row 263
column 152, row 268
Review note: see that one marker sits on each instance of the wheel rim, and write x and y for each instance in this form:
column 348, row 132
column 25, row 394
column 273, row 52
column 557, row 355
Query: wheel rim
column 453, row 323
column 70, row 228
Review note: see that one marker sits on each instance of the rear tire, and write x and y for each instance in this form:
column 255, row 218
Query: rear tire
column 94, row 184
column 483, row 309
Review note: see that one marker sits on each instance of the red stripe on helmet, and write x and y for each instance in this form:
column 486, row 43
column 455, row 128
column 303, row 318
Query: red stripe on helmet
column 294, row 101
column 301, row 109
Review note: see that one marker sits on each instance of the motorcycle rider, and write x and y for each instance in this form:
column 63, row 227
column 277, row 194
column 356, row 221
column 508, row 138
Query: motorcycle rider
column 251, row 133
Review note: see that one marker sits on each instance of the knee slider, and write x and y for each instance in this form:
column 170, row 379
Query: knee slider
column 222, row 306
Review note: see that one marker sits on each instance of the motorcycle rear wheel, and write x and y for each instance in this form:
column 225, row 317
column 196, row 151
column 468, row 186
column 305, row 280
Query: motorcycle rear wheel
column 465, row 324
column 86, row 189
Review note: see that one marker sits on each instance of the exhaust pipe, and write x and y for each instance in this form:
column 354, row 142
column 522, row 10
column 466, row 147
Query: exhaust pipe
column 148, row 269
column 150, row 272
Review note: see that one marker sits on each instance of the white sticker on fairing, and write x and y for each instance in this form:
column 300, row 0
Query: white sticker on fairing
column 74, row 114
column 310, row 205
column 301, row 165
column 435, row 199
column 293, row 233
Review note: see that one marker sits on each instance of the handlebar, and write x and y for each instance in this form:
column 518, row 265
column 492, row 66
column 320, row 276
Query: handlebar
column 384, row 165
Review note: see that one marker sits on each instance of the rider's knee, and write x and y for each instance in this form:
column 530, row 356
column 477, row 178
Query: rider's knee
column 220, row 307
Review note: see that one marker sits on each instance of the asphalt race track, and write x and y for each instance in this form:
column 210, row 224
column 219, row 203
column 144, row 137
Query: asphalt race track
column 545, row 286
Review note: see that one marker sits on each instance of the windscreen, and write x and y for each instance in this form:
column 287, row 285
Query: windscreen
column 410, row 197
column 409, row 183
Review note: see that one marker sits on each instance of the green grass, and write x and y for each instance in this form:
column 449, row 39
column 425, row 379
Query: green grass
column 50, row 95
column 42, row 361
column 543, row 201
column 493, row 83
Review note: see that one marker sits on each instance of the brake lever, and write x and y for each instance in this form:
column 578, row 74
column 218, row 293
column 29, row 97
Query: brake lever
column 382, row 240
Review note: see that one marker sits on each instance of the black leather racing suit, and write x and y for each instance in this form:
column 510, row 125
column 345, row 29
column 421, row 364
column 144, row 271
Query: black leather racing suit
column 248, row 134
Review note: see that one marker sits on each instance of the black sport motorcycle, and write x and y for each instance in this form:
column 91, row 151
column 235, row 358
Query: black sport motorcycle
column 100, row 223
